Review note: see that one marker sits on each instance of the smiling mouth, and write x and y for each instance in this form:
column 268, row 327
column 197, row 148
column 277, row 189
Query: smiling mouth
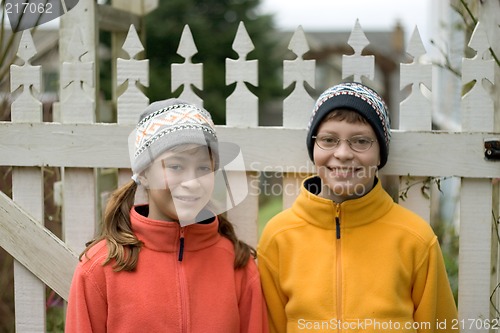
column 340, row 171
column 187, row 198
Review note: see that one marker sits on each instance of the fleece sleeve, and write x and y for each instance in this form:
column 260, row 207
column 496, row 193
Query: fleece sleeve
column 86, row 311
column 252, row 307
column 275, row 299
column 432, row 296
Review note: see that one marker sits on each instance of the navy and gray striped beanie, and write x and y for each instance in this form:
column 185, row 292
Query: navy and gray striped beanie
column 357, row 97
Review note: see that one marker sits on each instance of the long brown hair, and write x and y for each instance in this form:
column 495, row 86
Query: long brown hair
column 123, row 245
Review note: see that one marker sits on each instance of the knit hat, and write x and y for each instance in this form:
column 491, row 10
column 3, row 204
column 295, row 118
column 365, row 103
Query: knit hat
column 359, row 98
column 166, row 124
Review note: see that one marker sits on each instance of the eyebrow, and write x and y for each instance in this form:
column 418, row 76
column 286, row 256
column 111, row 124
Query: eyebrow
column 361, row 133
column 185, row 159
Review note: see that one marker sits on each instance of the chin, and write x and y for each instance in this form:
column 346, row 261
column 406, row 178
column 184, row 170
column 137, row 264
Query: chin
column 347, row 190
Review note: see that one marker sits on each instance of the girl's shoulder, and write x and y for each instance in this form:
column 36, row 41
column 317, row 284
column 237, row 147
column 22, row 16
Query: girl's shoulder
column 248, row 274
column 94, row 256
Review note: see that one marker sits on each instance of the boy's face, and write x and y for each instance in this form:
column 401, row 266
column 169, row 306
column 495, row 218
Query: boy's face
column 180, row 184
column 345, row 173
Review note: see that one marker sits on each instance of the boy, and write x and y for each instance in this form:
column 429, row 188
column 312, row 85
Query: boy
column 345, row 257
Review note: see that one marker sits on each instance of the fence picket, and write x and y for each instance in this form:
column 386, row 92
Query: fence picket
column 475, row 210
column 242, row 111
column 187, row 73
column 297, row 106
column 415, row 115
column 78, row 106
column 27, row 187
column 135, row 74
column 358, row 65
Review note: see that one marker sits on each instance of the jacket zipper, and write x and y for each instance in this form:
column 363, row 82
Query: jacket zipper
column 181, row 244
column 182, row 284
column 339, row 263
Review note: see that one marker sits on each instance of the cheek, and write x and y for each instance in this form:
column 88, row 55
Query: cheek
column 320, row 156
column 373, row 158
column 208, row 182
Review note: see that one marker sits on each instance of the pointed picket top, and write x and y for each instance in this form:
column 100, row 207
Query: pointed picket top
column 416, row 72
column 187, row 48
column 77, row 83
column 76, row 47
column 242, row 43
column 477, row 104
column 132, row 44
column 27, row 48
column 357, row 39
column 416, row 47
column 358, row 65
column 479, row 40
column 242, row 105
column 483, row 68
column 415, row 110
column 26, row 79
column 297, row 105
column 299, row 70
column 187, row 74
column 298, row 44
column 134, row 73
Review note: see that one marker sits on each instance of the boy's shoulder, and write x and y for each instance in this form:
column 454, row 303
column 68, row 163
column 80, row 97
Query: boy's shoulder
column 282, row 222
column 409, row 221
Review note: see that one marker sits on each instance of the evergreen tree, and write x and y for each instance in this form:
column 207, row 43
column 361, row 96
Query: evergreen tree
column 213, row 24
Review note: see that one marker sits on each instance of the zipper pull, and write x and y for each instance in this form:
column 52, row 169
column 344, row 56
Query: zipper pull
column 337, row 221
column 181, row 245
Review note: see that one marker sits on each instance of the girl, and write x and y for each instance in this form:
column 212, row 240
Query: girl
column 171, row 265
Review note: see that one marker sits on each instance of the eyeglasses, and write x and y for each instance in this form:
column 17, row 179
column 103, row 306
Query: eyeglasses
column 359, row 144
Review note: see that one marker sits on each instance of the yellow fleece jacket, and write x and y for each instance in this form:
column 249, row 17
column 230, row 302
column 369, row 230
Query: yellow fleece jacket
column 365, row 265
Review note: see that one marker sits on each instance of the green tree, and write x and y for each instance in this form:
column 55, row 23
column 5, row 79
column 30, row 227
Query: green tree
column 213, row 24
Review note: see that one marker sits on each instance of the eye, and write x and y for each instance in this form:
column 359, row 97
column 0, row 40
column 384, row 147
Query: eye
column 361, row 140
column 205, row 169
column 328, row 139
column 174, row 167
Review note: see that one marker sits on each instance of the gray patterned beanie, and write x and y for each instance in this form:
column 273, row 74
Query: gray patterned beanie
column 356, row 97
column 166, row 124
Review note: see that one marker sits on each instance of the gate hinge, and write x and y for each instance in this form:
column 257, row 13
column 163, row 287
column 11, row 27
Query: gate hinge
column 492, row 149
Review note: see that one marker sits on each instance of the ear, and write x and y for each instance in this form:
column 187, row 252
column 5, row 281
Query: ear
column 143, row 180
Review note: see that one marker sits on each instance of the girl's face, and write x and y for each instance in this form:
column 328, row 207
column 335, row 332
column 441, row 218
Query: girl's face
column 180, row 183
column 345, row 173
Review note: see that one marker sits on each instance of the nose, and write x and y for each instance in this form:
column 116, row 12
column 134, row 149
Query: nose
column 190, row 180
column 343, row 151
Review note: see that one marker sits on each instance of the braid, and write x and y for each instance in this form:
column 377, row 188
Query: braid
column 123, row 245
column 242, row 250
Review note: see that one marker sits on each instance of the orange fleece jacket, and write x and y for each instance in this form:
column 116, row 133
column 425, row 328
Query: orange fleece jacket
column 203, row 293
column 365, row 265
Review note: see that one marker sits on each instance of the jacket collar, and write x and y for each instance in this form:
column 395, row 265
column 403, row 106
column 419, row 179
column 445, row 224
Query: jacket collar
column 164, row 236
column 322, row 212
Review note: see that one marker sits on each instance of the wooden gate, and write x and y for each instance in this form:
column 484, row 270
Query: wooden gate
column 78, row 145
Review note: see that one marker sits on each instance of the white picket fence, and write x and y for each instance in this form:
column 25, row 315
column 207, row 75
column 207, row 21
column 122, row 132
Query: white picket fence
column 79, row 146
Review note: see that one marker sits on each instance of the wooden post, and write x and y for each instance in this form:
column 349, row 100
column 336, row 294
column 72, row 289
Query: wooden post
column 242, row 111
column 415, row 115
column 133, row 74
column 78, row 95
column 187, row 73
column 297, row 107
column 476, row 194
column 27, row 187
